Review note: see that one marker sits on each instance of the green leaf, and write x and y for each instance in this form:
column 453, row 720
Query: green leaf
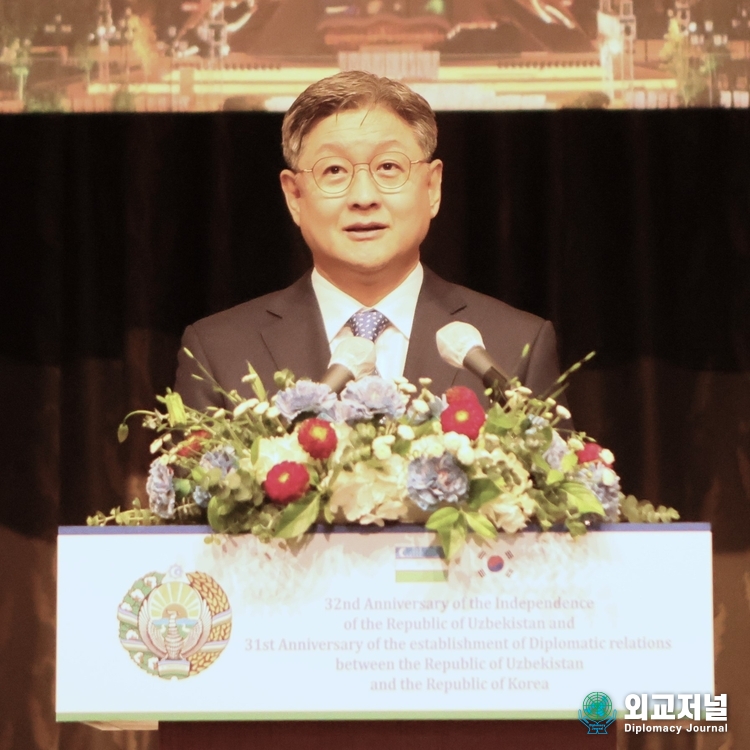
column 328, row 513
column 257, row 384
column 569, row 461
column 554, row 476
column 540, row 463
column 481, row 524
column 401, row 447
column 183, row 487
column 175, row 410
column 576, row 528
column 482, row 490
column 216, row 520
column 122, row 432
column 255, row 450
column 297, row 517
column 582, row 498
column 498, row 422
column 442, row 518
column 453, row 539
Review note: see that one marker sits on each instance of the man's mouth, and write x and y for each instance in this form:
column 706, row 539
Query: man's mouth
column 364, row 229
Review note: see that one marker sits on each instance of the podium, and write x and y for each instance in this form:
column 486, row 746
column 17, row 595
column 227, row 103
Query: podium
column 363, row 638
column 376, row 735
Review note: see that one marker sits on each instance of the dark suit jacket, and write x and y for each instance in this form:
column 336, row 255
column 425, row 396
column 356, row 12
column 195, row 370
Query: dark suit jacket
column 285, row 330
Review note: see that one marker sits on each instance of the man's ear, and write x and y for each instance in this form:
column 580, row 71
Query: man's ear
column 291, row 193
column 434, row 185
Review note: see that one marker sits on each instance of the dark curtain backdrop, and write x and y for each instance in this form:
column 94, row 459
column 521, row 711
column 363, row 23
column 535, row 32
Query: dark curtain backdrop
column 631, row 231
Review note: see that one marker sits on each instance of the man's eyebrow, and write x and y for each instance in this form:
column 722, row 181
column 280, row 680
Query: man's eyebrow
column 337, row 146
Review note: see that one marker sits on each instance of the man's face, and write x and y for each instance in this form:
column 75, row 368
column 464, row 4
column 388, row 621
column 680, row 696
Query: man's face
column 365, row 234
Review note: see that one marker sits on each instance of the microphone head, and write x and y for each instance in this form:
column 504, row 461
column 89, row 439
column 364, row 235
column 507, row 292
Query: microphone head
column 456, row 340
column 356, row 354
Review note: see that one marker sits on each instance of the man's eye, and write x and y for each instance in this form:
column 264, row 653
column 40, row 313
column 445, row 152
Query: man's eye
column 390, row 167
column 334, row 169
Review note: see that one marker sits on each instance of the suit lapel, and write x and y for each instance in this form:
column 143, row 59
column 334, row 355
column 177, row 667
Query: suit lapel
column 295, row 335
column 437, row 306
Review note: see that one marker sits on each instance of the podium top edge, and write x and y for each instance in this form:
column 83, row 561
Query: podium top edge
column 398, row 528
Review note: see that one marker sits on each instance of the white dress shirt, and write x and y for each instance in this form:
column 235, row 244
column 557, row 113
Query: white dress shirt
column 399, row 306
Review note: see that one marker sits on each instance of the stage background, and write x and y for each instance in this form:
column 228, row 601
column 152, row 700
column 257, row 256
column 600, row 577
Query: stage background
column 631, row 231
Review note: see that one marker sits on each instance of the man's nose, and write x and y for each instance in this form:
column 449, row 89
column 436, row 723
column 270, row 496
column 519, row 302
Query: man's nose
column 363, row 191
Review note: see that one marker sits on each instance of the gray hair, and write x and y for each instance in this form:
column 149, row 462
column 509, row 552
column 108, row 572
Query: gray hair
column 356, row 89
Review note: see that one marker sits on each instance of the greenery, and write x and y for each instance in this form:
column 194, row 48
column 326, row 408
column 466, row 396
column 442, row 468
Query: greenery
column 380, row 452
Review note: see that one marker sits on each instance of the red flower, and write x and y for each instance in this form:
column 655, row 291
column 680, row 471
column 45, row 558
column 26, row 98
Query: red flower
column 192, row 443
column 463, row 417
column 460, row 394
column 590, row 452
column 317, row 437
column 287, row 482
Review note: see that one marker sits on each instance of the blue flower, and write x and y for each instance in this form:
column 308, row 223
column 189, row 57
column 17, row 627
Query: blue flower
column 436, row 406
column 224, row 459
column 592, row 476
column 305, row 397
column 369, row 397
column 557, row 450
column 160, row 489
column 436, row 480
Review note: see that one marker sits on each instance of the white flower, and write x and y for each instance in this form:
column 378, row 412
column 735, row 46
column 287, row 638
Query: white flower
column 405, row 432
column 608, row 477
column 275, row 450
column 261, row 408
column 381, row 446
column 370, row 495
column 407, row 388
column 506, row 513
column 131, row 635
column 138, row 657
column 453, row 442
column 562, row 411
column 126, row 607
column 137, row 594
column 429, row 446
column 240, row 409
column 152, row 662
column 420, row 406
column 607, row 456
column 273, row 412
column 575, row 444
column 150, row 581
column 465, row 455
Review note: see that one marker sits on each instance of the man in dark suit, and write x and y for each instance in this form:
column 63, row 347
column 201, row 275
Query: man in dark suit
column 362, row 187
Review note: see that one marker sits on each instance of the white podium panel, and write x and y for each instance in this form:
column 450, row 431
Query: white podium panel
column 173, row 623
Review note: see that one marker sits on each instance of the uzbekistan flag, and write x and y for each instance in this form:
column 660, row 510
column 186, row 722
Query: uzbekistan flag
column 421, row 565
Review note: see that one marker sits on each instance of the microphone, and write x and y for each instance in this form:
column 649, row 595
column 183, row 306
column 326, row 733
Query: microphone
column 353, row 358
column 461, row 345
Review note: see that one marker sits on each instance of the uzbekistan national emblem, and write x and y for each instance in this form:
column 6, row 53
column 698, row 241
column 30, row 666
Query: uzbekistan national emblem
column 174, row 625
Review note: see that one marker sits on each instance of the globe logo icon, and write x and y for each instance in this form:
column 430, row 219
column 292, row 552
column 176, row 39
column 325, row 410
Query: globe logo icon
column 597, row 706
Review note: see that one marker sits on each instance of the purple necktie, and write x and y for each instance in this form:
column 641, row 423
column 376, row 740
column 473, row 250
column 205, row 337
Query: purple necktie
column 368, row 324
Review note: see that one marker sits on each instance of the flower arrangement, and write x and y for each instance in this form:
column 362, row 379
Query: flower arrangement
column 379, row 452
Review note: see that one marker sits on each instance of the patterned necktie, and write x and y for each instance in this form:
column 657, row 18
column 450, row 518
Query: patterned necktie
column 368, row 324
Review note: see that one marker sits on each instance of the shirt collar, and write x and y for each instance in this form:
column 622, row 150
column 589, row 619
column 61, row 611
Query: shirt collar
column 337, row 307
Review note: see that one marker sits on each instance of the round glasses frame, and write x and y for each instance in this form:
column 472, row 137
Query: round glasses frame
column 383, row 182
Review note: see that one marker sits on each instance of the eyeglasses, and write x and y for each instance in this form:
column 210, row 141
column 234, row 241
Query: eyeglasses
column 334, row 174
